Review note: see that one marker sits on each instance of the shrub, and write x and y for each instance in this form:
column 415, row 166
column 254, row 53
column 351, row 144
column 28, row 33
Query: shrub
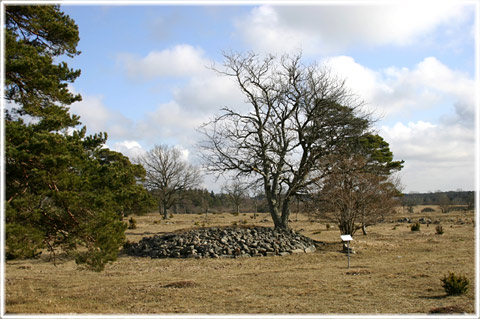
column 455, row 285
column 428, row 210
column 415, row 227
column 132, row 223
column 328, row 226
column 439, row 230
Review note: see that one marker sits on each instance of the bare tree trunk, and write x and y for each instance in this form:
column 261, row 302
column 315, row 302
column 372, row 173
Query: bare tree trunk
column 285, row 214
column 364, row 229
column 165, row 213
column 364, row 226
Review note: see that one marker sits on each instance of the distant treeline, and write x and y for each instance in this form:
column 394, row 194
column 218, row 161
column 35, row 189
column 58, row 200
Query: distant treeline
column 196, row 201
column 440, row 198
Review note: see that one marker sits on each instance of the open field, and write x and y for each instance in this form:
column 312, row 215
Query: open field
column 394, row 271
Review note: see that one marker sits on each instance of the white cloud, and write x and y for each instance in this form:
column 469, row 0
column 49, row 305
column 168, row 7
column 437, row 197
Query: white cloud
column 129, row 148
column 181, row 60
column 330, row 28
column 437, row 156
column 393, row 91
column 170, row 121
column 208, row 93
column 99, row 118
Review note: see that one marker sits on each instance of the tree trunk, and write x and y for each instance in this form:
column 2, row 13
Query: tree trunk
column 364, row 226
column 165, row 213
column 285, row 214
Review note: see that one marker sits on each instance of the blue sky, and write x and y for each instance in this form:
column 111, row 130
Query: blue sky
column 145, row 77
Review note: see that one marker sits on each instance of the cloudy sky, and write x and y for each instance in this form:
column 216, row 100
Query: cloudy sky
column 146, row 73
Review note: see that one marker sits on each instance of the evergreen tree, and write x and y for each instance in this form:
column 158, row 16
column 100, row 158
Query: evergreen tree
column 64, row 191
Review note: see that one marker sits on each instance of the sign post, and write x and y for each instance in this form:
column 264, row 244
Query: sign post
column 347, row 238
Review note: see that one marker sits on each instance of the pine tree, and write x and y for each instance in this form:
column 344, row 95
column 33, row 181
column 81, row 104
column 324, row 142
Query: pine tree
column 64, row 191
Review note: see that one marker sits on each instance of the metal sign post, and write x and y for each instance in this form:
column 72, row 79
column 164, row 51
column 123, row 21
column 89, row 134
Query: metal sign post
column 347, row 238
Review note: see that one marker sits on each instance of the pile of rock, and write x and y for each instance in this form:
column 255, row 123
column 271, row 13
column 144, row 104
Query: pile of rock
column 228, row 242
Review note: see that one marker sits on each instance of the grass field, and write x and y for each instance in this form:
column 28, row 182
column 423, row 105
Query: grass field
column 394, row 271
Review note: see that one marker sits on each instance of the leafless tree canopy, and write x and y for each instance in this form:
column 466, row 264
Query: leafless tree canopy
column 236, row 192
column 299, row 114
column 354, row 196
column 168, row 175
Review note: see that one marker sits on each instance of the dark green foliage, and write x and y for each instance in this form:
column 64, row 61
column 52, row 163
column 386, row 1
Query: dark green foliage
column 415, row 227
column 64, row 191
column 439, row 230
column 428, row 210
column 34, row 36
column 455, row 285
column 25, row 241
column 378, row 154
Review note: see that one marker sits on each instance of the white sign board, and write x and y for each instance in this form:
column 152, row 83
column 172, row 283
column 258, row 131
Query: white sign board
column 346, row 237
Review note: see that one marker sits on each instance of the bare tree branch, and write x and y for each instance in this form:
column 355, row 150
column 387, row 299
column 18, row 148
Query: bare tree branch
column 168, row 175
column 299, row 114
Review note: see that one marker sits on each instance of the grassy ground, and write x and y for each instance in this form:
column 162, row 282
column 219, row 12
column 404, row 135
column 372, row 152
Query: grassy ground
column 394, row 271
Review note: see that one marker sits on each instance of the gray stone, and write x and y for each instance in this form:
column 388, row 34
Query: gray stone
column 310, row 249
column 219, row 242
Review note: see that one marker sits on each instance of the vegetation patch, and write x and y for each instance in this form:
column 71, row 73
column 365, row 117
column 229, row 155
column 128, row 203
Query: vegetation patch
column 358, row 272
column 455, row 284
column 181, row 284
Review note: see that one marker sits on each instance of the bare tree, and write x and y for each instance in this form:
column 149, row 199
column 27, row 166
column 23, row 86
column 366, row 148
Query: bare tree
column 444, row 203
column 236, row 192
column 298, row 115
column 168, row 175
column 355, row 197
column 255, row 192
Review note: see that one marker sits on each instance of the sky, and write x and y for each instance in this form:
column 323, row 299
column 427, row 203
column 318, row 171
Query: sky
column 147, row 74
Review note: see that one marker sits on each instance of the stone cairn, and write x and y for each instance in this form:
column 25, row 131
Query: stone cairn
column 223, row 242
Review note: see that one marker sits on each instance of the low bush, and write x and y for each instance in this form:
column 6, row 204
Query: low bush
column 428, row 210
column 455, row 285
column 415, row 227
column 439, row 230
column 132, row 223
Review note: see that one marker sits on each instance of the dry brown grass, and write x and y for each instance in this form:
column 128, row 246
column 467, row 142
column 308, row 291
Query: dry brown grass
column 395, row 271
